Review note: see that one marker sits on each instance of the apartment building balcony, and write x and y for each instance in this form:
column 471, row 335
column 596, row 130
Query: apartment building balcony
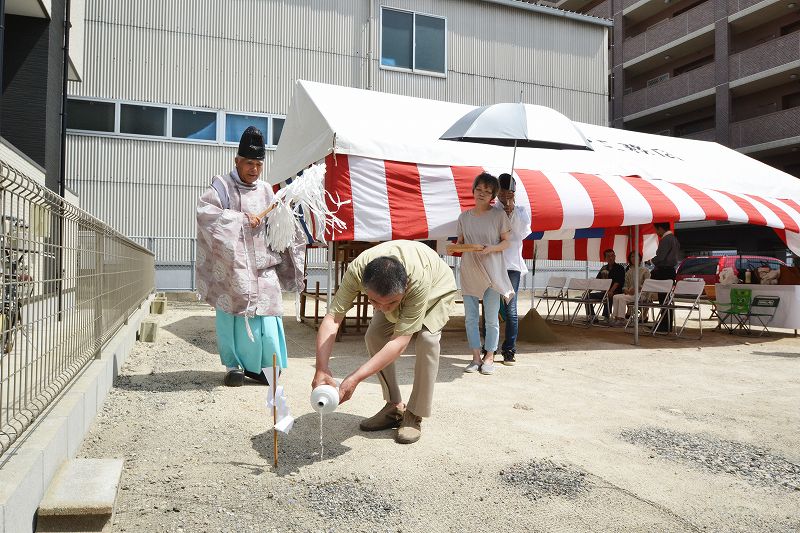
column 705, row 135
column 695, row 84
column 747, row 14
column 781, row 128
column 637, row 10
column 601, row 10
column 766, row 64
column 676, row 36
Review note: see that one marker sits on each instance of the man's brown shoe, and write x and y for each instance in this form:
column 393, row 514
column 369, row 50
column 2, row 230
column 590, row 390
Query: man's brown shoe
column 410, row 429
column 387, row 418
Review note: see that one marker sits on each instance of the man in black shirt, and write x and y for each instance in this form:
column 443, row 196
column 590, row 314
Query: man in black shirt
column 664, row 266
column 611, row 270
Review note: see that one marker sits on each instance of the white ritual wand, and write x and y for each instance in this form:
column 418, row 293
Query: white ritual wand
column 305, row 196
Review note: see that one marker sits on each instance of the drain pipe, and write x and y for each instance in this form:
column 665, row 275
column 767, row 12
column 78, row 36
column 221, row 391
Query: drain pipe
column 62, row 170
column 65, row 79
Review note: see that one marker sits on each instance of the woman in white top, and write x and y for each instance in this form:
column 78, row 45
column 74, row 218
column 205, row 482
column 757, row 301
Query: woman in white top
column 483, row 273
column 621, row 300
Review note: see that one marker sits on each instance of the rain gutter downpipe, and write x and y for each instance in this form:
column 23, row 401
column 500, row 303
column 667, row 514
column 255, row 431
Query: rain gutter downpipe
column 63, row 165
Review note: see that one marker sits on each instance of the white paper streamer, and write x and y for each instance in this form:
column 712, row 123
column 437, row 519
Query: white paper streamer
column 305, row 196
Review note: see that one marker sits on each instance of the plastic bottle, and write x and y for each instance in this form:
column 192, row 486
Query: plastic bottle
column 748, row 277
column 325, row 399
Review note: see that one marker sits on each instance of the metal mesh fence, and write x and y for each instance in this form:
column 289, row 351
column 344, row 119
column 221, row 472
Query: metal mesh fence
column 68, row 283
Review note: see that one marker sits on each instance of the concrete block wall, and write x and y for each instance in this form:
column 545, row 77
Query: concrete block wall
column 28, row 467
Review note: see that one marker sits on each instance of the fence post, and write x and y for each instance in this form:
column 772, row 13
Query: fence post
column 194, row 261
column 99, row 259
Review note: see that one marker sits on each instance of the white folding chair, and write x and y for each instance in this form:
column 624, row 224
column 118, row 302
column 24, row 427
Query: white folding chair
column 574, row 291
column 686, row 296
column 596, row 285
column 553, row 289
column 646, row 291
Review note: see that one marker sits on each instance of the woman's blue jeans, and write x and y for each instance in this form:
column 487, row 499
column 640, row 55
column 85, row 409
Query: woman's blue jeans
column 472, row 318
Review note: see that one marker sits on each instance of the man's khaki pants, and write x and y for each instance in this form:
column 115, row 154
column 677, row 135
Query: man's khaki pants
column 426, row 364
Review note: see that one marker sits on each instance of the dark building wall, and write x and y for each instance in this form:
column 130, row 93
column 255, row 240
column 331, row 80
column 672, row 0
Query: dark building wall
column 24, row 104
column 32, row 88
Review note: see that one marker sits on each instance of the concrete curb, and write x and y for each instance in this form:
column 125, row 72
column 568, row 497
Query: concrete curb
column 30, row 465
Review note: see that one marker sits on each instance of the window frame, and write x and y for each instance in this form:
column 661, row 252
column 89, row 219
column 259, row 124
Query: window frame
column 193, row 141
column 413, row 69
column 167, row 120
column 221, row 116
column 99, row 132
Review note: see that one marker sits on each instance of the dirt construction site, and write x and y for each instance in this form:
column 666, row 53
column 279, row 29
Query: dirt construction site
column 586, row 433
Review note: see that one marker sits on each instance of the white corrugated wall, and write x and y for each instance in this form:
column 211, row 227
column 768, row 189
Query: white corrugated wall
column 244, row 55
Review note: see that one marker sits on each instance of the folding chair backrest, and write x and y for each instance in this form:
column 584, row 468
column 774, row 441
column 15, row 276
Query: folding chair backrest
column 740, row 301
column 689, row 289
column 600, row 284
column 556, row 282
column 578, row 284
column 764, row 300
column 656, row 285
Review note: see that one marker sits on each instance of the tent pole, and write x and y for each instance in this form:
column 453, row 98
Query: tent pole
column 635, row 277
column 514, row 158
column 330, row 276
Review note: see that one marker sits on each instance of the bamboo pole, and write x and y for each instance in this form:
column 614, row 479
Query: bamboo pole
column 274, row 410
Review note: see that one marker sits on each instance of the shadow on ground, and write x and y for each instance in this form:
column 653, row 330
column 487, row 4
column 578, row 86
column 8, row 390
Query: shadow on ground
column 779, row 354
column 301, row 447
column 181, row 380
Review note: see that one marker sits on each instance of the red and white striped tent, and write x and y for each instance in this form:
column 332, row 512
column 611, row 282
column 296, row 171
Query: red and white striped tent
column 383, row 153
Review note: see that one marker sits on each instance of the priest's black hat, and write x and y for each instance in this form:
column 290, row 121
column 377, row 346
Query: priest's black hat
column 507, row 182
column 251, row 145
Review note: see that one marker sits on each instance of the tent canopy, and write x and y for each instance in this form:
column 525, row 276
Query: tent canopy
column 384, row 153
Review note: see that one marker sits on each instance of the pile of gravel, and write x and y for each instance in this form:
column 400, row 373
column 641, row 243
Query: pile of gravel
column 352, row 501
column 543, row 478
column 755, row 464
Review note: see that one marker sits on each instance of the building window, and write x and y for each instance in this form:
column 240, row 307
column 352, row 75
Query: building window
column 90, row 115
column 193, row 124
column 143, row 120
column 163, row 122
column 413, row 41
column 236, row 124
column 277, row 128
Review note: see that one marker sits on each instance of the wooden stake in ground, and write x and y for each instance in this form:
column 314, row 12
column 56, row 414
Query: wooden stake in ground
column 274, row 410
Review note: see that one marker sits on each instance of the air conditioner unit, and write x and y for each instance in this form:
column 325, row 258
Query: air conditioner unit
column 658, row 79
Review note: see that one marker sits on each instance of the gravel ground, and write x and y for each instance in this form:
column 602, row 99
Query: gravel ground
column 755, row 464
column 587, row 434
column 544, row 478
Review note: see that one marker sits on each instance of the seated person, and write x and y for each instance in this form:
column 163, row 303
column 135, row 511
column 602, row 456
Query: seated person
column 611, row 270
column 621, row 300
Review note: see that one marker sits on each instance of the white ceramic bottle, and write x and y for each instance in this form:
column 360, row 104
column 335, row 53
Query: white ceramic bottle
column 325, row 399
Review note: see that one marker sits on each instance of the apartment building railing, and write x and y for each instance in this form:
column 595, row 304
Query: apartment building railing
column 667, row 31
column 734, row 6
column 68, row 283
column 766, row 128
column 681, row 86
column 765, row 56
